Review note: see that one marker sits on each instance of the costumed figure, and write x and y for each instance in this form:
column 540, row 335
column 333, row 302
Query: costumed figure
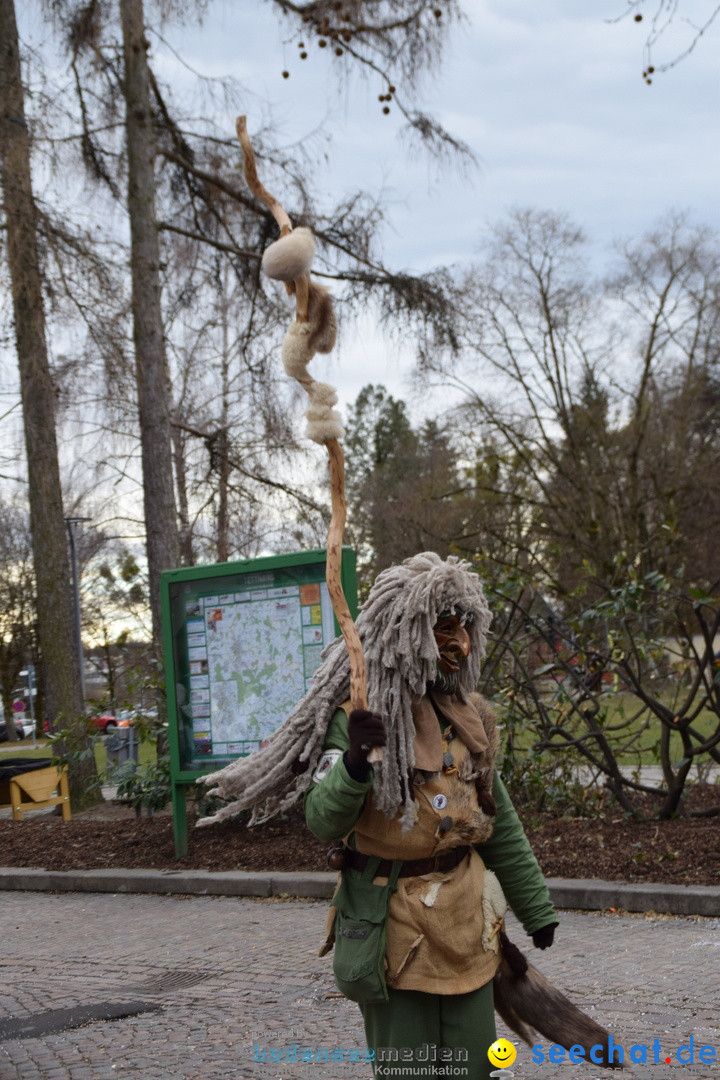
column 428, row 842
column 395, row 760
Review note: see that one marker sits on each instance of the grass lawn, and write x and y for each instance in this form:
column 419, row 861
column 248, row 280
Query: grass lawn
column 623, row 719
column 146, row 754
column 25, row 749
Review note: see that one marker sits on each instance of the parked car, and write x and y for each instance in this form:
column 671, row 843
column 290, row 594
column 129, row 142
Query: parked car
column 125, row 717
column 107, row 723
column 22, row 720
column 18, row 728
column 27, row 723
column 104, row 723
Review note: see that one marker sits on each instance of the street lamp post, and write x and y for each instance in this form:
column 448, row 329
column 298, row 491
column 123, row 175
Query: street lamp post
column 72, row 524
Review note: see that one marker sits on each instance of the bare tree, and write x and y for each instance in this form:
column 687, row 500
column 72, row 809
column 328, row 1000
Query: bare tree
column 154, row 402
column 589, row 697
column 17, row 603
column 664, row 17
column 389, row 41
column 55, row 629
column 190, row 165
column 598, row 391
column 116, row 616
column 233, row 439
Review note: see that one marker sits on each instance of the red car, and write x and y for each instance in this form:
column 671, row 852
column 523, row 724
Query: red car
column 107, row 723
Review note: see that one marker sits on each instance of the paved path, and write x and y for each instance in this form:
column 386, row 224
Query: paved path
column 222, row 973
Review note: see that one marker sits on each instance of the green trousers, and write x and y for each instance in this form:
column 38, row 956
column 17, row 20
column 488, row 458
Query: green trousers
column 448, row 1035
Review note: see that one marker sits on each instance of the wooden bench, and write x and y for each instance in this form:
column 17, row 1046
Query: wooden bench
column 34, row 787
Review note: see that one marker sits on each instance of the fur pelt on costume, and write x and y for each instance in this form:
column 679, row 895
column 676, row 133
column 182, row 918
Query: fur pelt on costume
column 395, row 626
column 528, row 1002
column 523, row 997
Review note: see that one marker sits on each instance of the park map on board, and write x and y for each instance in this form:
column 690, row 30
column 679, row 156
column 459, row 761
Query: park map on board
column 251, row 655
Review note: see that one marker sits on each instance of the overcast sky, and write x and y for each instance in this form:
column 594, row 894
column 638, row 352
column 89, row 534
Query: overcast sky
column 549, row 96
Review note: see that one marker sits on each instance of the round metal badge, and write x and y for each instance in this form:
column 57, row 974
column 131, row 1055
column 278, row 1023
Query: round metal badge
column 439, row 802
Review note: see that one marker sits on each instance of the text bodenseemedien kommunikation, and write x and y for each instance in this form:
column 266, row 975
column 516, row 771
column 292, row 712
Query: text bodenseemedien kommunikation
column 427, row 1053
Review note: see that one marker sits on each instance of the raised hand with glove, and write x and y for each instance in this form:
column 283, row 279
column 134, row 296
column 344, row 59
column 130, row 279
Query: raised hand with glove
column 365, row 730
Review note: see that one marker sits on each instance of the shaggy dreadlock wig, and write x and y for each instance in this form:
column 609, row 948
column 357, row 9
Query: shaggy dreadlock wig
column 395, row 626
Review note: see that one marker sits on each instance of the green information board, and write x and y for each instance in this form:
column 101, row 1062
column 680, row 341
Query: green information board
column 242, row 641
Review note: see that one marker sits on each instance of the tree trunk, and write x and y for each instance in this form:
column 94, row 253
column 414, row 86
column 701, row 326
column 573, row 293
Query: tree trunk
column 9, row 679
column 223, row 519
column 7, row 703
column 223, row 442
column 187, row 553
column 10, row 667
column 63, row 702
column 150, row 358
column 111, row 671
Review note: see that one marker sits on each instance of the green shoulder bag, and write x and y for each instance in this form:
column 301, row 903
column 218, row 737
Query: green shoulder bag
column 361, row 933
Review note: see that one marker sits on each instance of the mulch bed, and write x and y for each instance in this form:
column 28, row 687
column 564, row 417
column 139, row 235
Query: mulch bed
column 682, row 851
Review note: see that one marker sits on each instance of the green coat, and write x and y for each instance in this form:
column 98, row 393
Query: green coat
column 333, row 805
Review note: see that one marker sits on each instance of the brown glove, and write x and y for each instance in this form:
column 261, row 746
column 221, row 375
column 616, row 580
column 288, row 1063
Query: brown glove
column 365, row 730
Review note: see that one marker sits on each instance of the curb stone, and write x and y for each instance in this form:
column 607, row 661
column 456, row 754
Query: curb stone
column 581, row 894
column 192, row 882
column 594, row 895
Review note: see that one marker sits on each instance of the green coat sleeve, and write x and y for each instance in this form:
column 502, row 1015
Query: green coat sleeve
column 333, row 804
column 509, row 855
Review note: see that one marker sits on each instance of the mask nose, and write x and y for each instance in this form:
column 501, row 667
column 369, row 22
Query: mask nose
column 461, row 640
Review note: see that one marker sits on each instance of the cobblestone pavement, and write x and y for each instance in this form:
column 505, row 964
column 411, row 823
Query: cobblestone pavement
column 230, row 975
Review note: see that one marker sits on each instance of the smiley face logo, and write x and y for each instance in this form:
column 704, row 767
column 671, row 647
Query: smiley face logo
column 502, row 1053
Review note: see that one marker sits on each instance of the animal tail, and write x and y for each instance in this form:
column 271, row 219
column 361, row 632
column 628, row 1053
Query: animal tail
column 527, row 1002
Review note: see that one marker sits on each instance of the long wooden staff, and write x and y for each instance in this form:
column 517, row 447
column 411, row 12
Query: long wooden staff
column 301, row 287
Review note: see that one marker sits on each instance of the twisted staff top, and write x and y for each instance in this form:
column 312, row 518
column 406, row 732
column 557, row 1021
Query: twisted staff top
column 314, row 330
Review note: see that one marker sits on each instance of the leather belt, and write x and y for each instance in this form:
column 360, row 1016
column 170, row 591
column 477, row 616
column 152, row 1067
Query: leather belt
column 355, row 860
